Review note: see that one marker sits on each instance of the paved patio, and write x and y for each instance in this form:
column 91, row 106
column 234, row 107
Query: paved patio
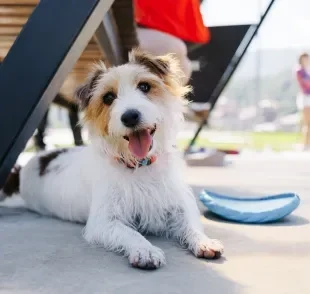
column 42, row 255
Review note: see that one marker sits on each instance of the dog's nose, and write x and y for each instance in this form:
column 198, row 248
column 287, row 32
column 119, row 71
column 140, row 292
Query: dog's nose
column 131, row 118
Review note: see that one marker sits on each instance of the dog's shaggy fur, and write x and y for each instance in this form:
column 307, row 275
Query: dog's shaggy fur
column 94, row 185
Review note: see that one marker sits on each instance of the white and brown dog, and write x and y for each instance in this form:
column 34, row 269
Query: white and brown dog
column 128, row 181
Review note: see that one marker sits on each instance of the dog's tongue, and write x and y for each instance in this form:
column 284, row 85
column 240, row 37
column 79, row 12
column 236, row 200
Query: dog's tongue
column 140, row 143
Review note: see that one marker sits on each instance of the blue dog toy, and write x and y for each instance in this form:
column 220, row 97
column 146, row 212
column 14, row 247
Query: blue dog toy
column 250, row 210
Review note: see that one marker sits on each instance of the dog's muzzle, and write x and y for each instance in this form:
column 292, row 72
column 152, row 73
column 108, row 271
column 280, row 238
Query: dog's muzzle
column 131, row 118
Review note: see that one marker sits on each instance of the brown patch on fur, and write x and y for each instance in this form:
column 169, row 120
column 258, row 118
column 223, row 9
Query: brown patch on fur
column 157, row 66
column 166, row 67
column 95, row 111
column 98, row 114
column 157, row 89
column 45, row 160
column 11, row 184
column 111, row 86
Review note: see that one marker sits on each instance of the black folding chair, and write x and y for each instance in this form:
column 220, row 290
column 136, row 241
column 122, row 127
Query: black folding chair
column 37, row 64
column 218, row 61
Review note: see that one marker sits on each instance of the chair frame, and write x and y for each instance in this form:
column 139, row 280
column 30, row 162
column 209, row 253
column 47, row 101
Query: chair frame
column 37, row 64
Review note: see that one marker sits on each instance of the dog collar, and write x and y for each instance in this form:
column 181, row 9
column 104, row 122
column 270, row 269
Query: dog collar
column 143, row 162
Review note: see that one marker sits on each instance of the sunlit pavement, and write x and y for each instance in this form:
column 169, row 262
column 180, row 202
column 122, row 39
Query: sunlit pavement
column 269, row 258
column 49, row 255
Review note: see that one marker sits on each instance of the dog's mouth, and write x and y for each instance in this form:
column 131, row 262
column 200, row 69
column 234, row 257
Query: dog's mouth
column 141, row 142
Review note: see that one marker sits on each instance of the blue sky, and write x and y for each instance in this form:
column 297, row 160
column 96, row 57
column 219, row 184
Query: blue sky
column 287, row 26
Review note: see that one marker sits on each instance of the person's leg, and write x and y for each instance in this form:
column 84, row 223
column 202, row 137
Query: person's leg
column 306, row 126
column 159, row 43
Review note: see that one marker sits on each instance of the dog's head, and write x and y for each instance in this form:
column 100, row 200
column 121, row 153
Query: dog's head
column 134, row 109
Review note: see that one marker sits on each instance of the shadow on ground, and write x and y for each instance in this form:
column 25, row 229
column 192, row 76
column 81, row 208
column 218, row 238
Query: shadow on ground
column 46, row 255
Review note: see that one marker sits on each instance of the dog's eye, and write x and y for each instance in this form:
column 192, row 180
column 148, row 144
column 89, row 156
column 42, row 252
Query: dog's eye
column 108, row 98
column 144, row 87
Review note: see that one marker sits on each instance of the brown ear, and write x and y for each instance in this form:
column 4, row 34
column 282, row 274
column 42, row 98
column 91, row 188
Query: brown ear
column 85, row 91
column 159, row 65
column 167, row 67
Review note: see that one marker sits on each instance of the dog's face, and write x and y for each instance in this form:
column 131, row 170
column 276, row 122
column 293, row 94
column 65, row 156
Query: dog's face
column 135, row 107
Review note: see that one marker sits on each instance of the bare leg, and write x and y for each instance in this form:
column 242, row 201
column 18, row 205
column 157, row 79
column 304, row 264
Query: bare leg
column 306, row 127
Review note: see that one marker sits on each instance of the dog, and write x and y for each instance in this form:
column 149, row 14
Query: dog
column 128, row 181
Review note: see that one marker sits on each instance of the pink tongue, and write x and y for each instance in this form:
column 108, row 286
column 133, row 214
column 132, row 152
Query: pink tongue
column 140, row 143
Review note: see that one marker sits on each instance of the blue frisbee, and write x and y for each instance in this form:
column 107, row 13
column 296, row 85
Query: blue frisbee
column 250, row 210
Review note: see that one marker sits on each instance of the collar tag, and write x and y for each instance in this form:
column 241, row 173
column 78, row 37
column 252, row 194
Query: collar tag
column 143, row 162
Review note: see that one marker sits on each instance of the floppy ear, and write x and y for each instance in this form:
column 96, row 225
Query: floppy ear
column 167, row 67
column 84, row 93
column 159, row 65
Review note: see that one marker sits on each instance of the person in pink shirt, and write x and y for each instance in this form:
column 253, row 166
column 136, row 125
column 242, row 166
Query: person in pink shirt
column 303, row 97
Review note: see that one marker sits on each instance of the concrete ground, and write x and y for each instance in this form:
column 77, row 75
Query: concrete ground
column 42, row 255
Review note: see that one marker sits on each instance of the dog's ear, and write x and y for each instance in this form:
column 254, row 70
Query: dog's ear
column 167, row 67
column 162, row 66
column 84, row 93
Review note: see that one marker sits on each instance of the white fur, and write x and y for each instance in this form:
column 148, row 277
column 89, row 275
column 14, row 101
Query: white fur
column 85, row 184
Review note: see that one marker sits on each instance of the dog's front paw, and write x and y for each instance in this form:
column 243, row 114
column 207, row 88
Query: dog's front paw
column 147, row 258
column 208, row 248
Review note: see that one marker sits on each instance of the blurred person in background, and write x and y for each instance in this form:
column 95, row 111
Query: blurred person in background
column 303, row 97
column 163, row 26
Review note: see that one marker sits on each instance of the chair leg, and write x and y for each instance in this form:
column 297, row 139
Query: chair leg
column 73, row 112
column 193, row 140
column 39, row 136
column 75, row 127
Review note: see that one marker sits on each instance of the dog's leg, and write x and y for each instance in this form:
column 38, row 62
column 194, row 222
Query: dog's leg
column 200, row 244
column 190, row 232
column 116, row 236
